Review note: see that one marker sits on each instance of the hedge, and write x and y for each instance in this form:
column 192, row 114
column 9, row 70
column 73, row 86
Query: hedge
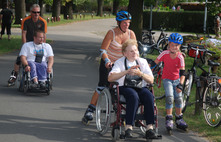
column 178, row 21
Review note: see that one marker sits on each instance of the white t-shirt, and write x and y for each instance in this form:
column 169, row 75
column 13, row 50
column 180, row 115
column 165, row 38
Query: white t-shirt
column 119, row 66
column 29, row 49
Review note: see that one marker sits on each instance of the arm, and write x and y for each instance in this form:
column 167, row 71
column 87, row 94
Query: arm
column 105, row 44
column 23, row 36
column 115, row 76
column 132, row 35
column 50, row 63
column 25, row 63
column 157, row 61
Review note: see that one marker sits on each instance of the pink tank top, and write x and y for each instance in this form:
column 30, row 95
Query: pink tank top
column 114, row 50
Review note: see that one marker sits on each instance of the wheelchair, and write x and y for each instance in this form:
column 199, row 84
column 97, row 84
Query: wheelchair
column 24, row 83
column 111, row 112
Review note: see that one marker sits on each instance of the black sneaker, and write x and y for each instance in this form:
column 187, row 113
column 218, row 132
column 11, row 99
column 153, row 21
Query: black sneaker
column 34, row 85
column 150, row 134
column 128, row 133
column 42, row 85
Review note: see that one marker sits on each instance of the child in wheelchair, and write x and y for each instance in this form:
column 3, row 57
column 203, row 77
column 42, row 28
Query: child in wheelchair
column 37, row 58
column 133, row 73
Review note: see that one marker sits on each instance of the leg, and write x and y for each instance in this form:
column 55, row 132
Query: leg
column 132, row 102
column 180, row 123
column 14, row 73
column 3, row 30
column 33, row 70
column 8, row 30
column 168, row 87
column 103, row 82
column 147, row 99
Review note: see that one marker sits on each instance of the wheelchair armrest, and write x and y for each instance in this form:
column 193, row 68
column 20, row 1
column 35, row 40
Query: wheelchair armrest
column 114, row 83
column 149, row 85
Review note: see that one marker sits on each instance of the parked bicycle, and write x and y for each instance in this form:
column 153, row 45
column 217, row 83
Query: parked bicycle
column 156, row 69
column 162, row 41
column 208, row 89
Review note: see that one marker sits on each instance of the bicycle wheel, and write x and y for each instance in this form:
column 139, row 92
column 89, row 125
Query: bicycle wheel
column 186, row 90
column 146, row 39
column 212, row 104
column 163, row 43
column 103, row 111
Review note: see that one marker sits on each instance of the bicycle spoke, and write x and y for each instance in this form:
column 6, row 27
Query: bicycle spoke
column 212, row 104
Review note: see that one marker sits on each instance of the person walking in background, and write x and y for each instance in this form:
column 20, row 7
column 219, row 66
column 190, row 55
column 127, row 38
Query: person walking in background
column 217, row 24
column 6, row 18
column 29, row 25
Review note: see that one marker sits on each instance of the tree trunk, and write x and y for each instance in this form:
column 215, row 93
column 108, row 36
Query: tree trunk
column 68, row 10
column 135, row 8
column 100, row 4
column 56, row 9
column 41, row 6
column 19, row 11
column 116, row 4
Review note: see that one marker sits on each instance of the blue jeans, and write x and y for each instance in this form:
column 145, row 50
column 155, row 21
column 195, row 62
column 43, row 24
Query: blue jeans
column 170, row 92
column 133, row 97
column 38, row 70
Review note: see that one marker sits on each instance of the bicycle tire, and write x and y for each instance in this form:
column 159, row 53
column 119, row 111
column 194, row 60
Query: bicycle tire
column 188, row 82
column 163, row 43
column 212, row 103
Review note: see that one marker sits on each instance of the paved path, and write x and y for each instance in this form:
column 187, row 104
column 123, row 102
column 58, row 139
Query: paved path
column 57, row 118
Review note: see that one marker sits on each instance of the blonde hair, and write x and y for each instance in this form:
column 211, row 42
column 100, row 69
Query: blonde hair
column 127, row 43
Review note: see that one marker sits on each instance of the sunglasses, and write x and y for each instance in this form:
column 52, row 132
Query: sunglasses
column 35, row 12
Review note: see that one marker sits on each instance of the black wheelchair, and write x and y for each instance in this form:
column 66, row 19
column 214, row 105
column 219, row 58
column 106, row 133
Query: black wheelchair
column 111, row 112
column 24, row 83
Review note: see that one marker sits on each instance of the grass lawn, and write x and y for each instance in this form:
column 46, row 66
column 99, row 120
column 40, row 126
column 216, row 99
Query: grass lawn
column 7, row 46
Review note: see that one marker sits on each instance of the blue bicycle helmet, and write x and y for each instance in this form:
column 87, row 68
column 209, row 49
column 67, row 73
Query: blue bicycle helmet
column 123, row 15
column 176, row 38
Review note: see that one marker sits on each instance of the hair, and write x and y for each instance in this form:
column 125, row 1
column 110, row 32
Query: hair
column 38, row 31
column 34, row 6
column 127, row 43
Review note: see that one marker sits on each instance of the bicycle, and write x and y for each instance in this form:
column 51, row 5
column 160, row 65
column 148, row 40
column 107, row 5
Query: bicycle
column 162, row 41
column 156, row 69
column 210, row 98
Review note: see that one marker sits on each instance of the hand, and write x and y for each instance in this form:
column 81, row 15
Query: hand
column 108, row 65
column 49, row 70
column 27, row 68
column 134, row 70
column 178, row 90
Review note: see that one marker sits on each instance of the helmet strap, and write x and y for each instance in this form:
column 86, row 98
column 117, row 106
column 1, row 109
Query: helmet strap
column 120, row 28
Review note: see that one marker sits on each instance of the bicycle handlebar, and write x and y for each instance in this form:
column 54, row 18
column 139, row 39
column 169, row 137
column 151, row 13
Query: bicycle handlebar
column 200, row 48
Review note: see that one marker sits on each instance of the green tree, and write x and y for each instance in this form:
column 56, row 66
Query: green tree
column 135, row 8
column 214, row 6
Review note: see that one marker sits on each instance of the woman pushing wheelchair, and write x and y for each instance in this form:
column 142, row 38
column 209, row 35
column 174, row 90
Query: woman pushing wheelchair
column 133, row 73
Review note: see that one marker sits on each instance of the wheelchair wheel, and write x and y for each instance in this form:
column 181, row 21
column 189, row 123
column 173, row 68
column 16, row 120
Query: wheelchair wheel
column 22, row 82
column 26, row 81
column 141, row 123
column 115, row 134
column 103, row 111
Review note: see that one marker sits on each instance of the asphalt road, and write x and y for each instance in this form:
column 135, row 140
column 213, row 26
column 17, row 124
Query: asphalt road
column 57, row 118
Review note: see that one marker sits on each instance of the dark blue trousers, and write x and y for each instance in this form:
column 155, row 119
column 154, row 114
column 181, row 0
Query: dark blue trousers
column 133, row 97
